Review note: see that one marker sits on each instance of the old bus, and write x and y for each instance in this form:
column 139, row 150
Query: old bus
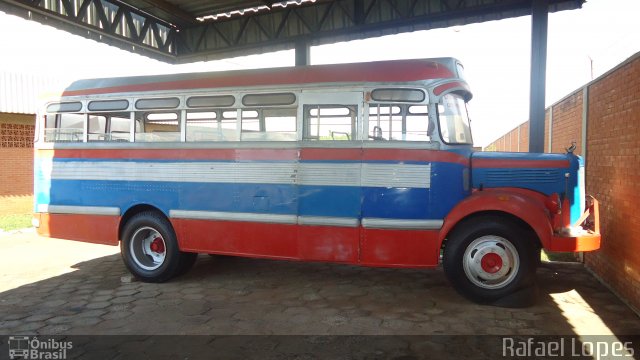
column 369, row 164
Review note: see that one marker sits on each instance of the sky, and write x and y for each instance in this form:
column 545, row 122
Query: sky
column 496, row 56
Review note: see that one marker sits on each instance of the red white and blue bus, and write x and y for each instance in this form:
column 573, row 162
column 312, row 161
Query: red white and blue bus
column 369, row 164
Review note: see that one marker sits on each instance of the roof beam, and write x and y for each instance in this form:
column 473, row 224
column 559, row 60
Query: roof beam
column 172, row 14
column 332, row 21
column 105, row 21
column 177, row 38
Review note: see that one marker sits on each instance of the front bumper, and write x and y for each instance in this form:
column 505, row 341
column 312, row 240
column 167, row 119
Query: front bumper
column 587, row 239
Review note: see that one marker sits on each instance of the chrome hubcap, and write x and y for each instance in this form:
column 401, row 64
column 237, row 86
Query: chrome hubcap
column 491, row 262
column 148, row 248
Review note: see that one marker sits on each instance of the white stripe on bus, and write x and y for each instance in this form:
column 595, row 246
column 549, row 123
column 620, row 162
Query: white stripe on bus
column 85, row 210
column 374, row 223
column 287, row 173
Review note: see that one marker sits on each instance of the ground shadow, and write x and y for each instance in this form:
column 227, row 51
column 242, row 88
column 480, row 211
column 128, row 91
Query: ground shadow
column 342, row 304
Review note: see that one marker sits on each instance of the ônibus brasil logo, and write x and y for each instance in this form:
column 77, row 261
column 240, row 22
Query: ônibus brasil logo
column 24, row 347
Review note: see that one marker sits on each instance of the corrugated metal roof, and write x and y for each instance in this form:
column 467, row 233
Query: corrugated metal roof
column 21, row 93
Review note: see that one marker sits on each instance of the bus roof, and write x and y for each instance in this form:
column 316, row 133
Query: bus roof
column 380, row 71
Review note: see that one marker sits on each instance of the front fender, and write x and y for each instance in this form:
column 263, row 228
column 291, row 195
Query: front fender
column 527, row 205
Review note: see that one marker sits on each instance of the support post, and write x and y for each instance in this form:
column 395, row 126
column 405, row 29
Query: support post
column 539, row 18
column 550, row 146
column 302, row 53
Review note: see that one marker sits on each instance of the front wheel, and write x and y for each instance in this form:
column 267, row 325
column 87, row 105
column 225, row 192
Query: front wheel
column 149, row 248
column 490, row 257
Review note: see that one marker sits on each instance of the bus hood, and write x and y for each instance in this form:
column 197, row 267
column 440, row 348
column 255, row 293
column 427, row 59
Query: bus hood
column 545, row 173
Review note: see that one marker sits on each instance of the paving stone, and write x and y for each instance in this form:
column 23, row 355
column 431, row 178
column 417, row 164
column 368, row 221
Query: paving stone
column 9, row 324
column 193, row 297
column 396, row 324
column 98, row 305
column 92, row 313
column 84, row 321
column 251, row 296
column 494, row 330
column 38, row 317
column 101, row 298
column 147, row 294
column 29, row 327
column 53, row 303
column 194, row 308
column 125, row 292
column 525, row 315
column 14, row 316
column 104, row 292
column 116, row 315
column 54, row 329
column 191, row 290
column 60, row 319
column 122, row 299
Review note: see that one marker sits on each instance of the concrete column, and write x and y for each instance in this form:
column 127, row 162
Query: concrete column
column 302, row 53
column 539, row 17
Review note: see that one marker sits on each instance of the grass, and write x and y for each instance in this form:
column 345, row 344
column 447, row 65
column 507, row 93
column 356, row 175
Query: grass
column 558, row 256
column 14, row 222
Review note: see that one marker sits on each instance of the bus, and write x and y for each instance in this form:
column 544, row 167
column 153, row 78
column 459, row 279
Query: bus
column 365, row 163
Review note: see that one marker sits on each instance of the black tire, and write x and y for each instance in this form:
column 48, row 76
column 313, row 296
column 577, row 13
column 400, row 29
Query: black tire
column 489, row 257
column 187, row 260
column 143, row 262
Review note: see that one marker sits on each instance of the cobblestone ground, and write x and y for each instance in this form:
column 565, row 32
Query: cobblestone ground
column 59, row 287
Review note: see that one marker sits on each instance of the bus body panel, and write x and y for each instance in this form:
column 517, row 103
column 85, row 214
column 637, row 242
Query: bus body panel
column 242, row 202
column 361, row 193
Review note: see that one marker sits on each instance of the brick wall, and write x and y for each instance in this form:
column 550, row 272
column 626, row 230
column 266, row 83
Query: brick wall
column 613, row 177
column 515, row 140
column 612, row 167
column 566, row 125
column 16, row 162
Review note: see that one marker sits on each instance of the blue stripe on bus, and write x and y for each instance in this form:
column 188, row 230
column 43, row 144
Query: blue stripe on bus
column 335, row 201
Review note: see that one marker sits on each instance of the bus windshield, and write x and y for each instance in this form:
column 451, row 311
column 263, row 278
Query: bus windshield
column 454, row 120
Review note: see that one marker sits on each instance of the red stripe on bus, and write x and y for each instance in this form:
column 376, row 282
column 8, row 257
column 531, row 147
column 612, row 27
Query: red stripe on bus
column 98, row 229
column 519, row 163
column 444, row 87
column 306, row 154
column 330, row 154
column 414, row 155
column 382, row 155
column 373, row 247
column 399, row 248
column 173, row 154
column 267, row 240
column 397, row 71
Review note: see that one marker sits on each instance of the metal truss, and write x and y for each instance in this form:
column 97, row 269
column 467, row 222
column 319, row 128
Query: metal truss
column 112, row 22
column 179, row 38
column 340, row 20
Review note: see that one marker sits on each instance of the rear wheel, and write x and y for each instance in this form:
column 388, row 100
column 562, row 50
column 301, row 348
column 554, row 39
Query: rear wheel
column 149, row 248
column 489, row 257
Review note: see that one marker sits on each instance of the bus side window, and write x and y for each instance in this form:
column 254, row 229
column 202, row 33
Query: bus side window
column 64, row 127
column 419, row 128
column 157, row 126
column 212, row 125
column 385, row 122
column 97, row 128
column 399, row 122
column 269, row 124
column 109, row 127
column 330, row 122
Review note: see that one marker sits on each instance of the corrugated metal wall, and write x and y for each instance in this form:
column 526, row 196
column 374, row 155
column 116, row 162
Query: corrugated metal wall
column 21, row 93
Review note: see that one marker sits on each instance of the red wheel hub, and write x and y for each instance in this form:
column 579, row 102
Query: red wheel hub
column 491, row 263
column 157, row 245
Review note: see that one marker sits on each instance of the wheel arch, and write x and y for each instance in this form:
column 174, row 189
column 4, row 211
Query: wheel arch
column 522, row 207
column 135, row 210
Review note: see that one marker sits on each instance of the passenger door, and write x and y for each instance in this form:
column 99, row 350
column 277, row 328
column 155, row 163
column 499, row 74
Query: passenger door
column 328, row 176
